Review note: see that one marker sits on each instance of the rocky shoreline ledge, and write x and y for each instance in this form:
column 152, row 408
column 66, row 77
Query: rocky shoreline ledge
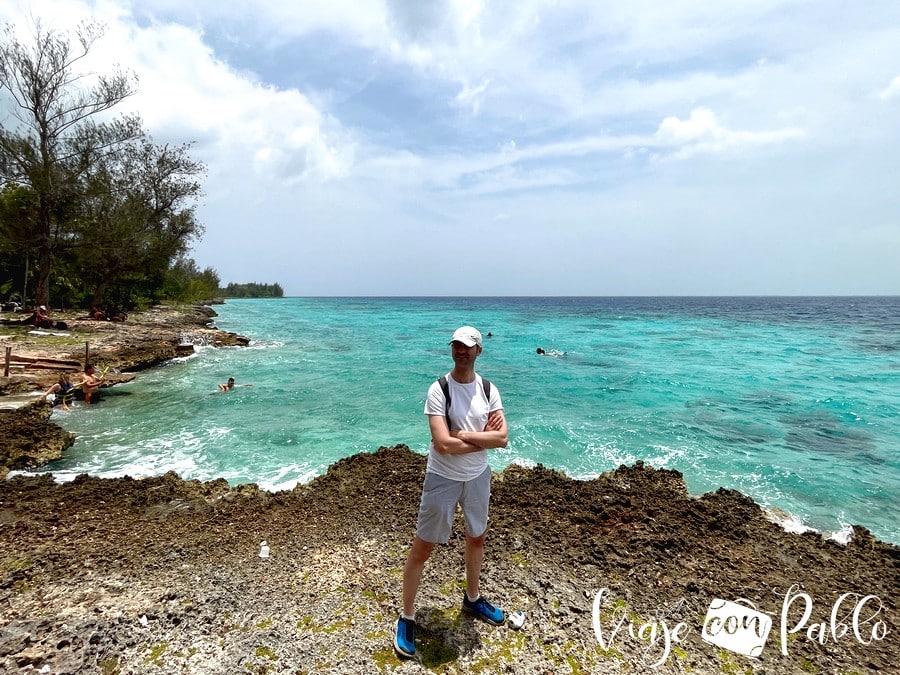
column 619, row 574
column 164, row 575
column 27, row 436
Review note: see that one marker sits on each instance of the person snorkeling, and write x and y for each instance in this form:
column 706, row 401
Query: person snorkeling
column 229, row 385
column 553, row 352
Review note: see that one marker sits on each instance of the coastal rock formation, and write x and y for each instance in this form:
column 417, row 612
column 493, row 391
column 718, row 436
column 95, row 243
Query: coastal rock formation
column 164, row 575
column 146, row 339
column 28, row 437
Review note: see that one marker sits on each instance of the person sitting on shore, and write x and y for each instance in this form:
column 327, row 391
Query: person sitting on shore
column 90, row 385
column 116, row 314
column 39, row 318
column 61, row 391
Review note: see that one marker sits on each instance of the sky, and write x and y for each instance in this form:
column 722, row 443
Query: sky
column 537, row 147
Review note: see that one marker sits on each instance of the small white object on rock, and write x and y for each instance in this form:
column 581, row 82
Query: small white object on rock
column 516, row 620
column 143, row 621
column 263, row 550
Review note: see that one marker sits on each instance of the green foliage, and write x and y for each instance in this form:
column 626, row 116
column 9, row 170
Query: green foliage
column 111, row 213
column 184, row 282
column 17, row 208
column 103, row 206
column 137, row 216
column 53, row 136
column 252, row 290
column 18, row 205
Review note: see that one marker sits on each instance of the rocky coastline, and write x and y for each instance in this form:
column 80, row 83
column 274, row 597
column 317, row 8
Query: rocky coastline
column 28, row 437
column 619, row 574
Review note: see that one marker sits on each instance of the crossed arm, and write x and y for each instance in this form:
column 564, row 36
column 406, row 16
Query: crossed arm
column 448, row 442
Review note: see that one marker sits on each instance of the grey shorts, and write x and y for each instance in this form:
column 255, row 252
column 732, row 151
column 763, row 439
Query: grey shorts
column 439, row 499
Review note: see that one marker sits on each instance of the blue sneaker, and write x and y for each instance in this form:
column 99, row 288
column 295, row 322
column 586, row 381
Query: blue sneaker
column 405, row 637
column 484, row 610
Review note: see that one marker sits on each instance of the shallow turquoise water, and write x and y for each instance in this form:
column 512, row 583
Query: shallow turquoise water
column 793, row 401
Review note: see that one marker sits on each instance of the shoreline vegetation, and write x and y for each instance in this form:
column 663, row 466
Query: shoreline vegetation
column 619, row 574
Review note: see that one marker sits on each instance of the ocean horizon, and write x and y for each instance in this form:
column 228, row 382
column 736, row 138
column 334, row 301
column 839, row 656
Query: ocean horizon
column 791, row 400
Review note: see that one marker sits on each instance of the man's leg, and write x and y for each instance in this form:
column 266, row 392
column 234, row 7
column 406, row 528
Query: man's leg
column 475, row 502
column 473, row 601
column 474, row 560
column 476, row 498
column 405, row 632
column 436, row 508
column 412, row 573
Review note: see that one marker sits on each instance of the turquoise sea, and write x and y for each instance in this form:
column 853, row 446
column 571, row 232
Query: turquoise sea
column 793, row 401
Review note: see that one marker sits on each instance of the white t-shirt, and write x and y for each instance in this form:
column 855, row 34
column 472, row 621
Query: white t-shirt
column 469, row 411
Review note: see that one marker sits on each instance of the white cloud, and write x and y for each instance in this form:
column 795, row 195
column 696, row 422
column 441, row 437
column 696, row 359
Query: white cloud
column 186, row 92
column 702, row 133
column 471, row 97
column 702, row 123
column 891, row 91
column 185, row 88
column 363, row 122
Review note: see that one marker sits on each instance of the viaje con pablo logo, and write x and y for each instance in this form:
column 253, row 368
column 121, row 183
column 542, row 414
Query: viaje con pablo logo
column 740, row 628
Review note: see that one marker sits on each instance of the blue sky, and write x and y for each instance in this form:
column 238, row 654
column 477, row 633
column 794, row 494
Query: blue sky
column 540, row 147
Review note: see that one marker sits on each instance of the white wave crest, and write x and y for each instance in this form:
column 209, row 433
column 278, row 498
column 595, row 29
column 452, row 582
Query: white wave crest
column 842, row 536
column 789, row 522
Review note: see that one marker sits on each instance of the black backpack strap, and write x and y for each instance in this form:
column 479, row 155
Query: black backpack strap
column 445, row 387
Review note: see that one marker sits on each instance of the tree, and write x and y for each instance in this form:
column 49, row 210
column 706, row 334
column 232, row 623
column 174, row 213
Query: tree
column 186, row 283
column 137, row 214
column 17, row 210
column 253, row 290
column 54, row 137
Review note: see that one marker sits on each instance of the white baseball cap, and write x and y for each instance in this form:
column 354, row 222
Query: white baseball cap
column 467, row 335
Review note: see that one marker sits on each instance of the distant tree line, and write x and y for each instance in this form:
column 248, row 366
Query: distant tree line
column 92, row 211
column 253, row 290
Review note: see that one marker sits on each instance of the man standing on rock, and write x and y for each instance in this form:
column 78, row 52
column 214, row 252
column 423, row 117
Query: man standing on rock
column 465, row 415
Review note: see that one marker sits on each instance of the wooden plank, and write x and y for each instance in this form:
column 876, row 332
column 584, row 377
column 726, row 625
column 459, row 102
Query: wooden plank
column 41, row 365
column 45, row 360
